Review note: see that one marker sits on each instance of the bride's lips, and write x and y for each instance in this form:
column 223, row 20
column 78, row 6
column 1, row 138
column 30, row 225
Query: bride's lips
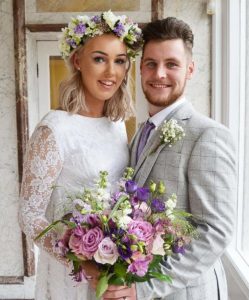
column 107, row 83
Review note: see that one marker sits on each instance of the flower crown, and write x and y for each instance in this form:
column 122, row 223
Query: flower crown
column 83, row 27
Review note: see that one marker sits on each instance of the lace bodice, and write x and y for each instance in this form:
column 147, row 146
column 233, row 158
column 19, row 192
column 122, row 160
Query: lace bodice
column 66, row 151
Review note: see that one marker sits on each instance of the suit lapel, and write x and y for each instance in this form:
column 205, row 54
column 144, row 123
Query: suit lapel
column 147, row 159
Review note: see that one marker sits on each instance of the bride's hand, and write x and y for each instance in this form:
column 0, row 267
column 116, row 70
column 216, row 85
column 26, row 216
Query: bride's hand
column 92, row 272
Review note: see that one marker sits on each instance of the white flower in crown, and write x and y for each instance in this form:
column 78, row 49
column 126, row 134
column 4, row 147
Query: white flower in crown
column 110, row 18
column 171, row 132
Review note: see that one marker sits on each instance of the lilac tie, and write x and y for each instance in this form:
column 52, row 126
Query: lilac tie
column 144, row 137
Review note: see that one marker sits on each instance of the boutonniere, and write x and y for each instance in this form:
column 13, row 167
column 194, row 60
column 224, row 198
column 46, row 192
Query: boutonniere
column 171, row 133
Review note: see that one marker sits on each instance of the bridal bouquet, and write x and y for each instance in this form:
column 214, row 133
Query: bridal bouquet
column 127, row 232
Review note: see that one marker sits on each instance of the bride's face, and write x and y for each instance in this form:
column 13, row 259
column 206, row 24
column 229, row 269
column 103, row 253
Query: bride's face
column 103, row 64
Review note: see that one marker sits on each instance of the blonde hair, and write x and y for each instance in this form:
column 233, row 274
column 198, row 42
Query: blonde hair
column 72, row 97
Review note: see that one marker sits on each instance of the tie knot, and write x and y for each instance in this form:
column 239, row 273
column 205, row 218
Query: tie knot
column 149, row 124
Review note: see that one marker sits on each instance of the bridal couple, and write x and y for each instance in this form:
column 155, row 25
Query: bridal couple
column 87, row 134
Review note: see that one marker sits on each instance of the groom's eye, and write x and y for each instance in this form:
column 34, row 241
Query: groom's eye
column 151, row 64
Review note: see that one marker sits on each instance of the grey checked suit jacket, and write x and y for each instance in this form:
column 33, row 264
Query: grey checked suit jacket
column 200, row 169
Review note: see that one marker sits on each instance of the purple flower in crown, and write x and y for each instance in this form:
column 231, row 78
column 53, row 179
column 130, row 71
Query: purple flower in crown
column 119, row 29
column 96, row 19
column 157, row 206
column 131, row 186
column 71, row 43
column 80, row 28
column 143, row 194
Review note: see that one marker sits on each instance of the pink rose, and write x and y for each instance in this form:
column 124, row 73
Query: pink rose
column 85, row 243
column 142, row 230
column 75, row 241
column 90, row 241
column 107, row 252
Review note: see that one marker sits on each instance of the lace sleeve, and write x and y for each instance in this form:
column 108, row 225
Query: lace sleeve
column 42, row 167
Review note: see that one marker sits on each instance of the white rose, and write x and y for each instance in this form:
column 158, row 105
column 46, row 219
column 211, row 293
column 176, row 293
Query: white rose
column 107, row 252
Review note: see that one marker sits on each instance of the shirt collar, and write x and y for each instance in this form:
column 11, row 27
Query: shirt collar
column 158, row 118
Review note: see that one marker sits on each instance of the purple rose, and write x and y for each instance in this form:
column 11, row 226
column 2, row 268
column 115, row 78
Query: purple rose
column 140, row 266
column 90, row 241
column 142, row 230
column 130, row 186
column 143, row 194
column 157, row 206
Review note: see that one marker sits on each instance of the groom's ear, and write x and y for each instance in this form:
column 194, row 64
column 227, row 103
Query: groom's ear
column 190, row 69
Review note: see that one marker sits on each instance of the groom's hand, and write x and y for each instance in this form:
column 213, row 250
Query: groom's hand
column 115, row 292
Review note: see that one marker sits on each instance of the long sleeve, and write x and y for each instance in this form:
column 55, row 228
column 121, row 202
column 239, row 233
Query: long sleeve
column 211, row 179
column 42, row 167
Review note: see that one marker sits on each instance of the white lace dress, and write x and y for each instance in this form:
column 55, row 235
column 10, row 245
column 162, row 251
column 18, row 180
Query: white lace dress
column 67, row 151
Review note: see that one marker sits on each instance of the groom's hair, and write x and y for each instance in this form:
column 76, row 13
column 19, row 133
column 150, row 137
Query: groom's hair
column 169, row 29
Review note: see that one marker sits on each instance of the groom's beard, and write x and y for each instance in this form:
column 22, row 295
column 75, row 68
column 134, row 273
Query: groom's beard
column 164, row 101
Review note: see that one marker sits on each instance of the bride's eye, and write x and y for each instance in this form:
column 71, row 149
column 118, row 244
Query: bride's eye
column 120, row 61
column 99, row 59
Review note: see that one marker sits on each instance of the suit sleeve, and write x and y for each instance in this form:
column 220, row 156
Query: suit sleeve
column 211, row 176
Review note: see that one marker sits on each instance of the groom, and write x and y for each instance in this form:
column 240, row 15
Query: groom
column 199, row 168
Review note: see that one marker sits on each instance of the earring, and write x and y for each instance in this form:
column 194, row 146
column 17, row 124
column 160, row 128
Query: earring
column 78, row 68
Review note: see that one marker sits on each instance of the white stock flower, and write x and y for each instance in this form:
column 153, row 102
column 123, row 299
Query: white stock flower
column 123, row 221
column 157, row 247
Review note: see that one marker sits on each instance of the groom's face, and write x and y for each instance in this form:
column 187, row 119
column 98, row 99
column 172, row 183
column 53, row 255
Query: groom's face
column 165, row 68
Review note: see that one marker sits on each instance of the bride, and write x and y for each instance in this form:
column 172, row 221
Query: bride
column 72, row 144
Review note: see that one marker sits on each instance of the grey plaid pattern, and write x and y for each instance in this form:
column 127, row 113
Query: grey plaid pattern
column 201, row 170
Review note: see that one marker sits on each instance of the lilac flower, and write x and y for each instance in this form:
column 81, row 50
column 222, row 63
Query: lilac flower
column 80, row 29
column 131, row 186
column 125, row 251
column 138, row 214
column 178, row 246
column 140, row 266
column 79, row 276
column 93, row 220
column 119, row 29
column 157, row 205
column 143, row 194
column 61, row 246
column 77, row 217
column 134, row 201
